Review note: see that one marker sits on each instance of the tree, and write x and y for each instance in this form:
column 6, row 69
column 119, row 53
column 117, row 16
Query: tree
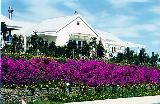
column 85, row 49
column 7, row 48
column 146, row 59
column 100, row 49
column 17, row 43
column 154, row 59
column 93, row 46
column 120, row 57
column 40, row 44
column 20, row 43
column 142, row 55
column 128, row 55
column 52, row 48
column 14, row 43
column 4, row 30
column 36, row 42
column 136, row 59
column 71, row 48
column 60, row 51
column 45, row 48
column 15, row 46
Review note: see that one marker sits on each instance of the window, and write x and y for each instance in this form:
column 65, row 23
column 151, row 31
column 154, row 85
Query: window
column 10, row 39
column 74, row 41
column 84, row 42
column 78, row 22
column 114, row 49
column 79, row 44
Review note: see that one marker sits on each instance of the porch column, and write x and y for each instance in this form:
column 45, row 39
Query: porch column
column 138, row 50
column 25, row 42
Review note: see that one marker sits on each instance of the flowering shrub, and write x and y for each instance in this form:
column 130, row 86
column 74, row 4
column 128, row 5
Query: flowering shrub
column 87, row 72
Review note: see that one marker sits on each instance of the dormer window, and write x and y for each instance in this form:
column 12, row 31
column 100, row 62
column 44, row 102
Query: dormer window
column 78, row 22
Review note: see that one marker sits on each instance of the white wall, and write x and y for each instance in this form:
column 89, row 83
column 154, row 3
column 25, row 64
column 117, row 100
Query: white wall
column 63, row 34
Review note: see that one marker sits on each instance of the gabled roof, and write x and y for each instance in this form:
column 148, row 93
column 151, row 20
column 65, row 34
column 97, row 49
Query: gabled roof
column 107, row 35
column 56, row 24
column 24, row 28
column 112, row 39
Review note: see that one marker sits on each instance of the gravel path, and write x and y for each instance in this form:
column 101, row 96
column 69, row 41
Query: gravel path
column 134, row 100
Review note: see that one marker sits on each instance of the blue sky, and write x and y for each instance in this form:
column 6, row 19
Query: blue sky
column 136, row 21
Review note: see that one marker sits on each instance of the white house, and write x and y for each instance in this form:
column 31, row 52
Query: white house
column 74, row 27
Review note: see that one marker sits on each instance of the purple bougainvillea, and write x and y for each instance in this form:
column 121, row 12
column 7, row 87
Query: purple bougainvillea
column 88, row 72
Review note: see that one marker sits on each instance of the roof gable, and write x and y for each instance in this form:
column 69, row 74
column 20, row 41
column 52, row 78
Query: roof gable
column 54, row 24
column 57, row 24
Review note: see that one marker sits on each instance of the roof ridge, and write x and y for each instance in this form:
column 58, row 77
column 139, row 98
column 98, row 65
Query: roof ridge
column 61, row 16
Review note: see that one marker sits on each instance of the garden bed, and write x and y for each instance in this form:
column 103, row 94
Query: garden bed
column 43, row 79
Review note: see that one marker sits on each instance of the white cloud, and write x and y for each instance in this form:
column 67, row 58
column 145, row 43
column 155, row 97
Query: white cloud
column 118, row 20
column 155, row 9
column 120, row 25
column 125, row 32
column 75, row 6
column 125, row 25
column 39, row 10
column 146, row 27
column 122, row 3
column 135, row 30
